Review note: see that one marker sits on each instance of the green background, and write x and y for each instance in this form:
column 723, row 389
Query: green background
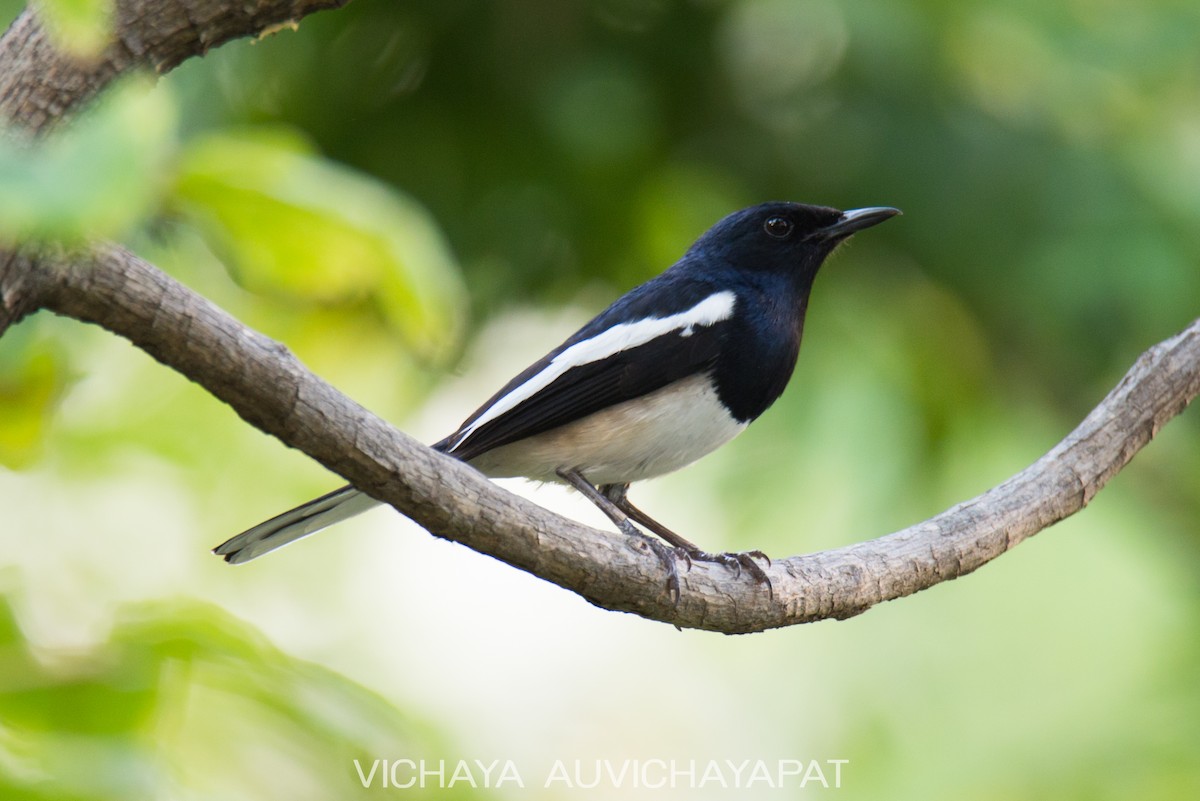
column 419, row 197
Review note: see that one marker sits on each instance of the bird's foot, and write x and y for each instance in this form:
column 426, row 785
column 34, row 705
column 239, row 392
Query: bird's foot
column 737, row 562
column 666, row 555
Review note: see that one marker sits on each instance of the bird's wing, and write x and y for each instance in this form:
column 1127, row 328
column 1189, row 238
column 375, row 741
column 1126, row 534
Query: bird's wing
column 638, row 345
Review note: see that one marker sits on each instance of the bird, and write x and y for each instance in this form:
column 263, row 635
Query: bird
column 672, row 370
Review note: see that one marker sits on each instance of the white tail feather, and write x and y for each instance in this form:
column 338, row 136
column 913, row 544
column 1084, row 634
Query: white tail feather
column 295, row 523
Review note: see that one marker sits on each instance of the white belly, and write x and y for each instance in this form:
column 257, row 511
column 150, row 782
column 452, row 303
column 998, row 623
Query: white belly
column 638, row 439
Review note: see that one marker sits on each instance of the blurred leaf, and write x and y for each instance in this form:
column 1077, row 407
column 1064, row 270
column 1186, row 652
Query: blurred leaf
column 296, row 224
column 33, row 376
column 97, row 178
column 187, row 686
column 83, row 27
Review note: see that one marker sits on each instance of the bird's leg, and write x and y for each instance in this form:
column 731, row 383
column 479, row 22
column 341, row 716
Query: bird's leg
column 618, row 496
column 577, row 480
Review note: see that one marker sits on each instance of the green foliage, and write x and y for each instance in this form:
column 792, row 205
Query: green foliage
column 33, row 376
column 97, row 179
column 83, row 27
column 296, row 225
column 186, row 678
column 316, row 238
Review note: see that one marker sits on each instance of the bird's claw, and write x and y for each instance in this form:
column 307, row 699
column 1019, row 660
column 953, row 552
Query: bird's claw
column 737, row 562
column 685, row 555
column 667, row 557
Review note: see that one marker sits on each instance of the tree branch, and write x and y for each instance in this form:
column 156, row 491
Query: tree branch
column 271, row 390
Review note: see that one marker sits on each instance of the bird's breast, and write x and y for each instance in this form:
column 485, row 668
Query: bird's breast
column 641, row 438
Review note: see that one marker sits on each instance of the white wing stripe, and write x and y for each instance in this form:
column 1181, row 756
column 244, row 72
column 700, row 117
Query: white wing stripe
column 711, row 310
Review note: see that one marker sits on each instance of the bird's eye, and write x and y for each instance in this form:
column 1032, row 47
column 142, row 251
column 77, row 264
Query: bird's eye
column 778, row 227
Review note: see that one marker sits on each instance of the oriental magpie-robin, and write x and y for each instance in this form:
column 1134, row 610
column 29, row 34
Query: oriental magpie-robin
column 672, row 370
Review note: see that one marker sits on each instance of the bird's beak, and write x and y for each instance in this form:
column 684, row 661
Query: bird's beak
column 856, row 220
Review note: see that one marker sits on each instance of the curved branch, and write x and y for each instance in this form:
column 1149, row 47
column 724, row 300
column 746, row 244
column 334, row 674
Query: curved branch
column 271, row 390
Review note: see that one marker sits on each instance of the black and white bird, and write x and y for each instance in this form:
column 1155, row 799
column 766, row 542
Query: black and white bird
column 672, row 370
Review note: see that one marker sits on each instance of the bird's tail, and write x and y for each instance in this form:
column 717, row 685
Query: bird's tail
column 294, row 524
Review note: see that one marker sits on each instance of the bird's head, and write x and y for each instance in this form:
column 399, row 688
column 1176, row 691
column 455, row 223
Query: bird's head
column 789, row 238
